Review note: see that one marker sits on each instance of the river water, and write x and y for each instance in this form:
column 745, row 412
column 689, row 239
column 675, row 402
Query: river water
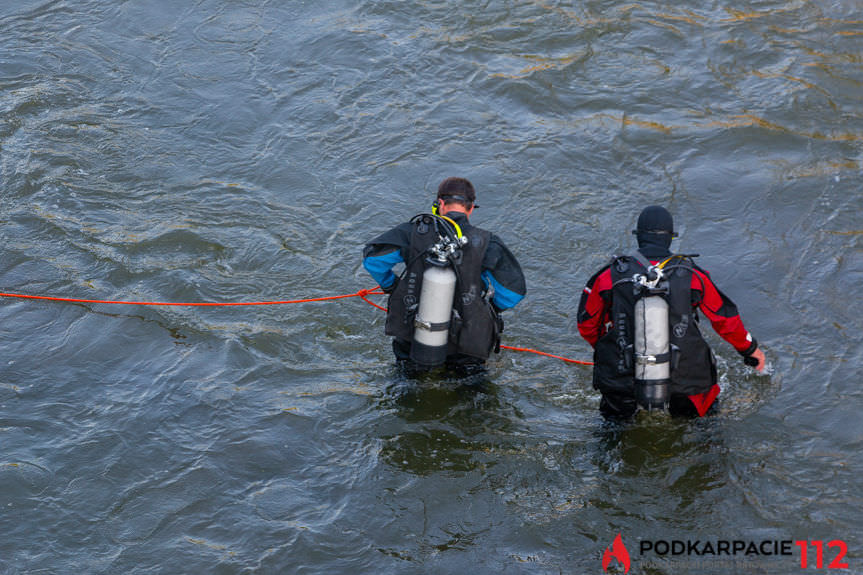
column 218, row 151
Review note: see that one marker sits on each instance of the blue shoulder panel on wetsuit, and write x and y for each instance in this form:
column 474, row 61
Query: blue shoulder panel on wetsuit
column 381, row 267
column 503, row 298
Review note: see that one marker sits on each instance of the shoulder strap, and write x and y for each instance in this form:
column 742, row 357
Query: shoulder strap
column 641, row 258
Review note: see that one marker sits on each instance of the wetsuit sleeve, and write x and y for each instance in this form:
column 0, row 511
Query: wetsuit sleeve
column 592, row 307
column 502, row 272
column 721, row 311
column 385, row 251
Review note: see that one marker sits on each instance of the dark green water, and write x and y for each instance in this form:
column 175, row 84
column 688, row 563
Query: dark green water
column 240, row 151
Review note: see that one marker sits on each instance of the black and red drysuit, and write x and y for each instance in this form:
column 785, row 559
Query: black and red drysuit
column 595, row 322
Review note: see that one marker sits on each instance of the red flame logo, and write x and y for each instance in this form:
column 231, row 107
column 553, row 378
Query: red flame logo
column 619, row 552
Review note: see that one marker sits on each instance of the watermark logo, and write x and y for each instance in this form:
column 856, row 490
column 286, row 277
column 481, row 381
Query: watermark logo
column 617, row 551
column 738, row 555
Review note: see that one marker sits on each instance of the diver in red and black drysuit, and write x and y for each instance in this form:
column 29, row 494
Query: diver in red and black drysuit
column 489, row 279
column 606, row 320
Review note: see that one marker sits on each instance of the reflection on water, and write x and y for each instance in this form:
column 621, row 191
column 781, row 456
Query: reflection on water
column 450, row 424
column 658, row 458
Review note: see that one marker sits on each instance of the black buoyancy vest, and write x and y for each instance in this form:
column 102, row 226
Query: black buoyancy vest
column 693, row 368
column 473, row 329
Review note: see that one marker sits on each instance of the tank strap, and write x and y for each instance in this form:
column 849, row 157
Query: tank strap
column 652, row 359
column 430, row 326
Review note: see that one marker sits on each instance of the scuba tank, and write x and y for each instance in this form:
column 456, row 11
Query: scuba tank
column 652, row 346
column 432, row 320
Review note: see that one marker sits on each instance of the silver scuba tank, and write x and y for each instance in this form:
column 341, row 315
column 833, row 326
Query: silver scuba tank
column 431, row 324
column 432, row 321
column 652, row 345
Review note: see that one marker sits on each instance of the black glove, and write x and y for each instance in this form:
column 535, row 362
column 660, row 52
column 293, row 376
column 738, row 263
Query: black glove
column 748, row 359
column 392, row 286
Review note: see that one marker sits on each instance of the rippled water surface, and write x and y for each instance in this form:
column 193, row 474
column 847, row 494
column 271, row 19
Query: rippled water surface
column 243, row 151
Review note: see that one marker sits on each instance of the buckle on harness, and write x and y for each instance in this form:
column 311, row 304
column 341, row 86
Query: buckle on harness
column 645, row 359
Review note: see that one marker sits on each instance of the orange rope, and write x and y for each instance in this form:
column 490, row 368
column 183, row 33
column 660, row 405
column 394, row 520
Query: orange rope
column 362, row 294
column 579, row 362
column 370, row 302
